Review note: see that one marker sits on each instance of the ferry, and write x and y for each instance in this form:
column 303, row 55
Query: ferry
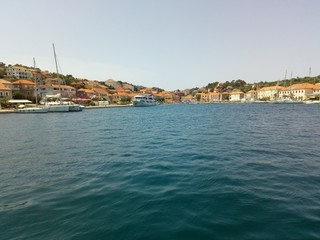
column 143, row 101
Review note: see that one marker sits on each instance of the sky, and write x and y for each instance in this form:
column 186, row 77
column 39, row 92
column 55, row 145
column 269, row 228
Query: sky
column 171, row 44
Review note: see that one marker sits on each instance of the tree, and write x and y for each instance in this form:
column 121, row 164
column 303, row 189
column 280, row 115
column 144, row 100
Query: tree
column 19, row 95
column 212, row 85
column 125, row 100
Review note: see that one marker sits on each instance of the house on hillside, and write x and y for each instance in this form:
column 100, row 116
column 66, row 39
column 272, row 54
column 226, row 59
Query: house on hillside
column 128, row 87
column 5, row 92
column 24, row 86
column 65, row 90
column 101, row 94
column 112, row 83
column 6, row 83
column 86, row 93
column 78, row 85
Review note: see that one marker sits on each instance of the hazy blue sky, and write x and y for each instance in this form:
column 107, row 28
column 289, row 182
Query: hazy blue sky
column 172, row 44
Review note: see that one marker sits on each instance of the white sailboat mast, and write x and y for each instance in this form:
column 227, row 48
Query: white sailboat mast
column 35, row 81
column 57, row 70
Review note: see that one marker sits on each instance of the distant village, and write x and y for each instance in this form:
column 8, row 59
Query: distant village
column 21, row 82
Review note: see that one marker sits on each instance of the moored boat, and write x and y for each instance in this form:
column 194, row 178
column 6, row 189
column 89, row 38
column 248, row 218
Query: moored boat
column 32, row 110
column 56, row 107
column 285, row 101
column 312, row 102
column 143, row 101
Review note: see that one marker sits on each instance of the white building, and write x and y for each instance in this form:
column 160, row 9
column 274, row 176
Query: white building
column 298, row 92
column 251, row 95
column 20, row 72
column 236, row 96
column 269, row 93
column 66, row 91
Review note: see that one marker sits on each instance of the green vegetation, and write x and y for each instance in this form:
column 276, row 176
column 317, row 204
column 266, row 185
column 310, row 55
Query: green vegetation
column 2, row 70
column 125, row 100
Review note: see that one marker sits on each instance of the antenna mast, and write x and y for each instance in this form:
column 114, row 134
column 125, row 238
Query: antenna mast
column 309, row 71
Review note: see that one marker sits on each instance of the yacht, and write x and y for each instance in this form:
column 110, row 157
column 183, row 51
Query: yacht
column 143, row 101
column 32, row 110
column 312, row 102
column 286, row 101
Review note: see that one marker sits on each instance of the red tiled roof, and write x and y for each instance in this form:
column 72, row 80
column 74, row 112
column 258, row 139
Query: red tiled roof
column 3, row 88
column 23, row 81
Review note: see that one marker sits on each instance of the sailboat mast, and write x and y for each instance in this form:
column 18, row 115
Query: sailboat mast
column 55, row 60
column 35, row 80
column 309, row 71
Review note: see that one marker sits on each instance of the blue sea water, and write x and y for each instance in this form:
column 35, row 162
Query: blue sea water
column 228, row 171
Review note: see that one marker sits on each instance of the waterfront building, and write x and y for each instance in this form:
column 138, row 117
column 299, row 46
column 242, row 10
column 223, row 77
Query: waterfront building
column 316, row 91
column 236, row 96
column 169, row 97
column 225, row 96
column 64, row 90
column 214, row 97
column 101, row 94
column 204, row 97
column 251, row 95
column 269, row 93
column 5, row 92
column 189, row 99
column 297, row 92
column 24, row 86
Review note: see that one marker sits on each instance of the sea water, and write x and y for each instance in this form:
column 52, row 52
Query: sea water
column 218, row 171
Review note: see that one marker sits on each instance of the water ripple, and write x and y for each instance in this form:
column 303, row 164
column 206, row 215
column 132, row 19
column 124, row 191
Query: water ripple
column 169, row 172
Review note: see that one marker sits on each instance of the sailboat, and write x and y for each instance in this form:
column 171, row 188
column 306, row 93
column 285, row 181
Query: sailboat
column 56, row 106
column 62, row 106
column 35, row 109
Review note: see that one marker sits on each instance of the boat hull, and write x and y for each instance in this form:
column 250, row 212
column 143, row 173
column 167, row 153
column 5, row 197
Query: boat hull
column 143, row 104
column 143, row 101
column 32, row 110
column 58, row 108
column 75, row 108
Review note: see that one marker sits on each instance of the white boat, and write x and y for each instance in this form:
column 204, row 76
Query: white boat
column 73, row 107
column 285, row 101
column 32, row 110
column 56, row 107
column 312, row 102
column 143, row 101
